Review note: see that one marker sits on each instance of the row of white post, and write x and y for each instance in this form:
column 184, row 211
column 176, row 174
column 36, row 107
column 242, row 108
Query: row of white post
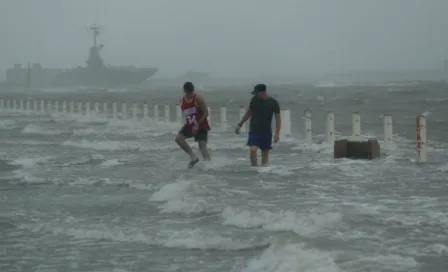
column 84, row 108
column 356, row 128
column 68, row 107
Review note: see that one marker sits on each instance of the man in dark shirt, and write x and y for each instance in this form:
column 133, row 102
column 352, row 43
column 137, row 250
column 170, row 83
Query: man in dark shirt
column 261, row 109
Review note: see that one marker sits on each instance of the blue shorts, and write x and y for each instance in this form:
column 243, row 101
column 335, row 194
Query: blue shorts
column 260, row 139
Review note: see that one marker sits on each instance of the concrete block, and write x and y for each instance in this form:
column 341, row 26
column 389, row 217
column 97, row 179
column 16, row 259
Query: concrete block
column 354, row 149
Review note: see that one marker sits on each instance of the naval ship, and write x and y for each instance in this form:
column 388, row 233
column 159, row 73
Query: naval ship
column 94, row 74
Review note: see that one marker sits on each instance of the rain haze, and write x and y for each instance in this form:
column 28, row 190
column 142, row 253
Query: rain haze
column 98, row 101
column 229, row 38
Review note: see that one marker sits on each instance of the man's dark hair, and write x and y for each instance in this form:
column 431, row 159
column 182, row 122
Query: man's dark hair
column 259, row 88
column 188, row 87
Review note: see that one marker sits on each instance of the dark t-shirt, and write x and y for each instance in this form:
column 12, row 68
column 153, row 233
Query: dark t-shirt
column 262, row 112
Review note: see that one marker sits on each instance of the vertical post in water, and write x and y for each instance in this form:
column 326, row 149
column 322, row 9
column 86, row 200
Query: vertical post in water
column 134, row 111
column 145, row 110
column 329, row 133
column 209, row 117
column 167, row 113
column 242, row 112
column 28, row 105
column 71, row 107
column 87, row 108
column 421, row 138
column 178, row 114
column 105, row 109
column 21, row 104
column 114, row 109
column 282, row 128
column 308, row 127
column 14, row 104
column 388, row 138
column 56, row 106
column 124, row 109
column 288, row 115
column 223, row 114
column 285, row 122
column 356, row 125
column 156, row 113
column 2, row 104
column 79, row 107
column 35, row 105
column 8, row 104
column 42, row 107
column 49, row 107
column 96, row 107
column 64, row 107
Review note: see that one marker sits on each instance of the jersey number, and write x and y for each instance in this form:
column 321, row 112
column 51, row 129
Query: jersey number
column 191, row 120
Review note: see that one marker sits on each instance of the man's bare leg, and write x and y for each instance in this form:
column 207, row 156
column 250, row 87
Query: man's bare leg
column 253, row 155
column 204, row 150
column 265, row 157
column 180, row 140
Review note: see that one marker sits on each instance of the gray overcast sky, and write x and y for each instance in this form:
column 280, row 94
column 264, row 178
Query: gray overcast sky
column 229, row 37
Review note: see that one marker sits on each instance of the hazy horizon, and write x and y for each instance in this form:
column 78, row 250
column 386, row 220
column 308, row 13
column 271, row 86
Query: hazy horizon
column 229, row 39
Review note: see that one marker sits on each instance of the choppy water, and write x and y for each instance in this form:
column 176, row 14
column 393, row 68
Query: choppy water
column 96, row 194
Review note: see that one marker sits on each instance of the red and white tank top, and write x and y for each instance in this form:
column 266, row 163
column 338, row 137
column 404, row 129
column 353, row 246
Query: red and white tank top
column 192, row 113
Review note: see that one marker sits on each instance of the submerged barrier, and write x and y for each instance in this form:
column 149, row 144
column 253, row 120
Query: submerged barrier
column 141, row 111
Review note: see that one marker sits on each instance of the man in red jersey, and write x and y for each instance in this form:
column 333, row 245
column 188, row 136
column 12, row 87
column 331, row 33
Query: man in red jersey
column 196, row 112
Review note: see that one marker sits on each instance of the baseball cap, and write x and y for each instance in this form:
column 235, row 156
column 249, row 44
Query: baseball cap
column 259, row 88
column 188, row 86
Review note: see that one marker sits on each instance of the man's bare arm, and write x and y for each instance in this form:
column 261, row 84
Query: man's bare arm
column 204, row 110
column 246, row 117
column 278, row 123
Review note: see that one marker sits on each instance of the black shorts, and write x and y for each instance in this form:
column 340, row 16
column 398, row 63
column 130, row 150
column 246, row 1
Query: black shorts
column 202, row 134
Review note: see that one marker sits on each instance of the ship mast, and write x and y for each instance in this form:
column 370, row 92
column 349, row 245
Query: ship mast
column 96, row 32
column 94, row 61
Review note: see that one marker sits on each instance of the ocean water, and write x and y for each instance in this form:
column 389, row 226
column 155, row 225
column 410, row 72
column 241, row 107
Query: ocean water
column 93, row 193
